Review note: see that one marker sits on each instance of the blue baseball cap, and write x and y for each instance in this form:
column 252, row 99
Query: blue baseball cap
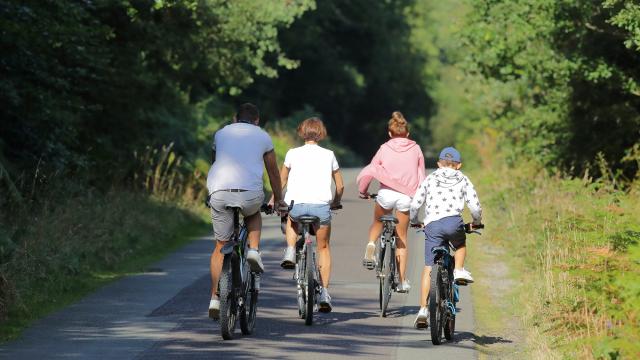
column 451, row 154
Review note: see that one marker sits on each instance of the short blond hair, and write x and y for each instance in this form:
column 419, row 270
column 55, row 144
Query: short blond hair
column 312, row 129
column 398, row 125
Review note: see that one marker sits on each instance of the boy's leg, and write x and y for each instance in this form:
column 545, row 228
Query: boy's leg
column 426, row 285
column 459, row 257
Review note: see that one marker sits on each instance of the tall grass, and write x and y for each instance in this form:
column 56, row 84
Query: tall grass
column 576, row 243
column 61, row 236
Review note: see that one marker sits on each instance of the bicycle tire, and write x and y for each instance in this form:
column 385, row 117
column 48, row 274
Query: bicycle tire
column 435, row 305
column 301, row 278
column 380, row 277
column 227, row 300
column 450, row 323
column 250, row 307
column 310, row 283
column 387, row 278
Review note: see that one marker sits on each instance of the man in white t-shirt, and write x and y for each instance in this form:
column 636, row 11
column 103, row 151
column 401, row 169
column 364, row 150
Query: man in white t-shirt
column 307, row 173
column 240, row 150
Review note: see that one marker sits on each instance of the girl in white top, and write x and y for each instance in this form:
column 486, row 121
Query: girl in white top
column 307, row 174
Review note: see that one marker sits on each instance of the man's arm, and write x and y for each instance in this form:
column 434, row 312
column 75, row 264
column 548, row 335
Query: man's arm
column 272, row 171
column 337, row 178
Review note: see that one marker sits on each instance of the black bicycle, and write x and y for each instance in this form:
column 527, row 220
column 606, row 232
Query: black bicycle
column 307, row 276
column 385, row 263
column 238, row 286
column 443, row 294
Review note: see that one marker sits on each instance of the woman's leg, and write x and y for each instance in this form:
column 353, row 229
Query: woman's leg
column 401, row 244
column 323, row 235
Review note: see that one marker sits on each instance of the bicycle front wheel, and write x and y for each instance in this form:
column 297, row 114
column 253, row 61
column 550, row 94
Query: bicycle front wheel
column 310, row 291
column 250, row 306
column 227, row 300
column 435, row 305
column 386, row 280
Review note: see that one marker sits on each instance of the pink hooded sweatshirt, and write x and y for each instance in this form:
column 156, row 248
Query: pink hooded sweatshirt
column 398, row 165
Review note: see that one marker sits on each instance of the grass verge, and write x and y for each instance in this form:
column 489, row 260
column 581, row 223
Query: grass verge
column 68, row 250
column 572, row 248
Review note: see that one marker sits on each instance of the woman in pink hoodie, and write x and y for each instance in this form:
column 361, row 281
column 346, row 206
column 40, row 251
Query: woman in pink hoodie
column 399, row 167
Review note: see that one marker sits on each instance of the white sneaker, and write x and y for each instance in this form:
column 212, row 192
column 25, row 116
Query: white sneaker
column 422, row 320
column 325, row 301
column 214, row 309
column 462, row 277
column 368, row 261
column 404, row 287
column 289, row 259
column 255, row 261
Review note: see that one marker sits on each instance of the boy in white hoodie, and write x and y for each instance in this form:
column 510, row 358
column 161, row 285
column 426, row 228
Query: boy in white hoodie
column 445, row 192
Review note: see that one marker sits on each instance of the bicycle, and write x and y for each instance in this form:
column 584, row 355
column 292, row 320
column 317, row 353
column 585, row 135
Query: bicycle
column 238, row 286
column 444, row 294
column 385, row 263
column 306, row 273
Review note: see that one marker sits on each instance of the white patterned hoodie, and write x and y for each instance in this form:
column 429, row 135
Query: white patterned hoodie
column 444, row 193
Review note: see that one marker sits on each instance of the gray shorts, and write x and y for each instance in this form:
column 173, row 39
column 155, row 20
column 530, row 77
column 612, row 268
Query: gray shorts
column 222, row 218
column 442, row 232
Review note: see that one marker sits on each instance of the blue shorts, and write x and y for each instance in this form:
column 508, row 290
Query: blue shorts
column 442, row 232
column 322, row 211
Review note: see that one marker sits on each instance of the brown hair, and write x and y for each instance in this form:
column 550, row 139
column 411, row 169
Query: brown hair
column 398, row 126
column 247, row 112
column 448, row 163
column 312, row 129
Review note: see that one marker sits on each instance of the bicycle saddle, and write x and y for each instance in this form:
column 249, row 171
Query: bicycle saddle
column 233, row 206
column 442, row 248
column 389, row 218
column 308, row 219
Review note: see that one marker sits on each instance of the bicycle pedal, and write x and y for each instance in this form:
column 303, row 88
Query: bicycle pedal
column 461, row 282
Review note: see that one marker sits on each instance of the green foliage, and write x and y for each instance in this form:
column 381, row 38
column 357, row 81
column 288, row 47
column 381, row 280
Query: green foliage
column 84, row 84
column 564, row 85
column 358, row 63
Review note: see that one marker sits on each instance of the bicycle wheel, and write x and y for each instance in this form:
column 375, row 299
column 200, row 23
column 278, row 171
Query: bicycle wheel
column 380, row 277
column 450, row 321
column 387, row 278
column 250, row 306
column 301, row 278
column 310, row 291
column 435, row 305
column 227, row 300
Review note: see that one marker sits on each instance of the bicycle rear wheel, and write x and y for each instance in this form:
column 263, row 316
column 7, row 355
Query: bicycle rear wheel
column 310, row 291
column 450, row 321
column 250, row 306
column 435, row 305
column 386, row 281
column 301, row 277
column 227, row 300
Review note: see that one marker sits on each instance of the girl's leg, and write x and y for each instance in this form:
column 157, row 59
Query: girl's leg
column 401, row 244
column 376, row 225
column 426, row 285
column 323, row 235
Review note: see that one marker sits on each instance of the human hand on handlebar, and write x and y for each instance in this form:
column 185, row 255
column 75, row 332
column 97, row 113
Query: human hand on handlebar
column 364, row 195
column 282, row 208
column 335, row 205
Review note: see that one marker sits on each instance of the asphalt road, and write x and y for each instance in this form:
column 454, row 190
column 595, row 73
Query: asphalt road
column 162, row 314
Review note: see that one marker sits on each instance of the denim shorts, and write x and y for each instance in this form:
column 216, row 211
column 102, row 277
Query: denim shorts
column 442, row 232
column 322, row 211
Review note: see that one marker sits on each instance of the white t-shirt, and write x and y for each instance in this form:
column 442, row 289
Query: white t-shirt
column 311, row 170
column 239, row 164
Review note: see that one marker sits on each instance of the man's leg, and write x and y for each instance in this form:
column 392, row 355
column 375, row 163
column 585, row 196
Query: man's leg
column 215, row 268
column 254, row 229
